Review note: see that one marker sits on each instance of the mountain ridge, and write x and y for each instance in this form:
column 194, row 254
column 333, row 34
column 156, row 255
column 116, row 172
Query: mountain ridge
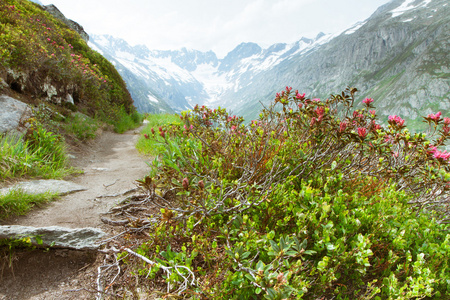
column 396, row 56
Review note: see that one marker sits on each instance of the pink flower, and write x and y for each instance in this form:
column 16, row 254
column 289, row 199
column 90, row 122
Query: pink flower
column 301, row 97
column 146, row 136
column 432, row 149
column 153, row 131
column 233, row 128
column 396, row 120
column 320, row 111
column 313, row 120
column 48, row 39
column 435, row 117
column 316, row 100
column 342, row 126
column 444, row 155
column 367, row 101
column 288, row 89
column 162, row 134
column 362, row 132
column 376, row 126
column 372, row 112
column 447, row 121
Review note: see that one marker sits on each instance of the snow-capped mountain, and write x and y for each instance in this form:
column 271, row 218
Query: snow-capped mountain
column 177, row 80
column 399, row 56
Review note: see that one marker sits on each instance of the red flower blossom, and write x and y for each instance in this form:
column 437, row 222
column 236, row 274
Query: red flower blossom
column 435, row 117
column 362, row 132
column 368, row 101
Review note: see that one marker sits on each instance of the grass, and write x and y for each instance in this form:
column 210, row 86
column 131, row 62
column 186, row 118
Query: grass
column 127, row 121
column 149, row 146
column 81, row 126
column 17, row 202
column 42, row 154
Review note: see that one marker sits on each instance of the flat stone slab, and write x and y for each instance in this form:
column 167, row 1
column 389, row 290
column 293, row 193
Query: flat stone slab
column 55, row 236
column 61, row 187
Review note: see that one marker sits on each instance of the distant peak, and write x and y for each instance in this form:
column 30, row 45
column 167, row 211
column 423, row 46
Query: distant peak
column 321, row 34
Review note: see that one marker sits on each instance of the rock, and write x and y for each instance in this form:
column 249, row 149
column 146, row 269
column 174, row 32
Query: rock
column 13, row 114
column 69, row 99
column 61, row 187
column 55, row 236
column 53, row 10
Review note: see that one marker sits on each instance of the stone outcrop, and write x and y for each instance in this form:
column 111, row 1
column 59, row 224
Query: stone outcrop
column 13, row 115
column 54, row 11
column 55, row 236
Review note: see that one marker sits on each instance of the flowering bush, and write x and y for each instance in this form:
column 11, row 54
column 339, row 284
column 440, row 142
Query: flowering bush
column 313, row 200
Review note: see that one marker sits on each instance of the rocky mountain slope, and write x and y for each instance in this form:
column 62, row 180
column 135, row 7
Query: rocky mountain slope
column 399, row 56
column 44, row 57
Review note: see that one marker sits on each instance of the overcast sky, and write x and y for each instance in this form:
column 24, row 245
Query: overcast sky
column 218, row 25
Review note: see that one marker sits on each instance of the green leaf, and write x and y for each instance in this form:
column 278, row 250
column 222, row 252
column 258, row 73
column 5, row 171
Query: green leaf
column 310, row 252
column 274, row 246
column 250, row 277
column 245, row 255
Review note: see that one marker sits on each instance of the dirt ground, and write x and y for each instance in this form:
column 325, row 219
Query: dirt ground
column 111, row 164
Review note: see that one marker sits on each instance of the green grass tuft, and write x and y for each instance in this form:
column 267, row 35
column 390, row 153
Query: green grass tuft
column 127, row 121
column 40, row 154
column 17, row 202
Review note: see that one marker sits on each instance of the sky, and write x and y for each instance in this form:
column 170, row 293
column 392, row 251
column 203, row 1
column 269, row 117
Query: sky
column 218, row 25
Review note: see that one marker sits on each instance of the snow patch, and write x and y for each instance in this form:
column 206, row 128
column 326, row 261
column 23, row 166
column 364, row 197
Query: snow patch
column 102, row 41
column 406, row 6
column 213, row 83
column 152, row 98
column 355, row 27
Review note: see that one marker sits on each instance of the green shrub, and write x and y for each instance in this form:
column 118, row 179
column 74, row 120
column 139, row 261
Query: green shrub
column 147, row 144
column 313, row 200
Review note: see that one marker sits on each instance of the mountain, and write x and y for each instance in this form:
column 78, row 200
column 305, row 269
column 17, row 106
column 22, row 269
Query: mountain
column 176, row 80
column 399, row 56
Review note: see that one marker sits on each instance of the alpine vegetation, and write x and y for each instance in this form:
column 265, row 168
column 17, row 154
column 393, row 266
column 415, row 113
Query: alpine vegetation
column 315, row 199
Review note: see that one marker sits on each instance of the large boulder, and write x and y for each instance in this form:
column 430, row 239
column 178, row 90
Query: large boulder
column 13, row 114
column 55, row 236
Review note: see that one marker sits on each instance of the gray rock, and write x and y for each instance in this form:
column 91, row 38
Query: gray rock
column 61, row 187
column 55, row 236
column 13, row 114
column 69, row 99
column 53, row 10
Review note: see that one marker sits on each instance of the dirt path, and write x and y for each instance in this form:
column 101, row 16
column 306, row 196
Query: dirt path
column 111, row 165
